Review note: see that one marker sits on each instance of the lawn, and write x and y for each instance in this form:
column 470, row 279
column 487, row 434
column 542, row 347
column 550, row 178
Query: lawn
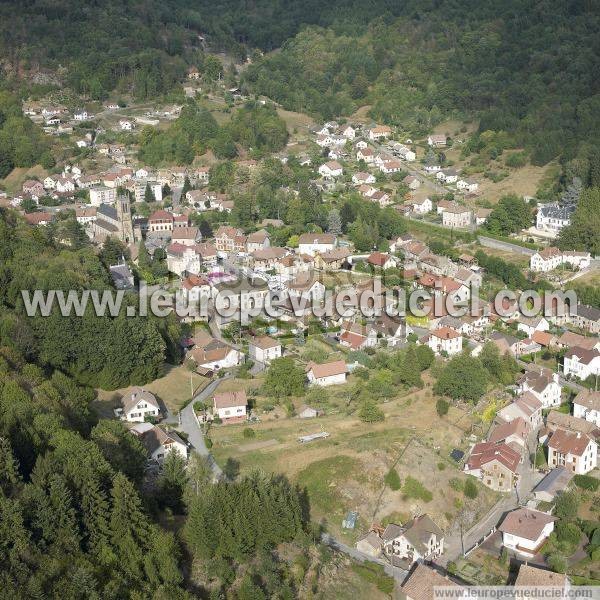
column 13, row 182
column 174, row 389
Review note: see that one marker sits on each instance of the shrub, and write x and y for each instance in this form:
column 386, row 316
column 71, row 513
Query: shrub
column 470, row 489
column 249, row 433
column 392, row 479
column 586, row 482
column 456, row 484
column 413, row 488
column 568, row 533
column 441, row 466
column 442, row 406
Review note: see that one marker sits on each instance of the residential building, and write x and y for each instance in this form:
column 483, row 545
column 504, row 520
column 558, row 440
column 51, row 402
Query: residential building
column 422, row 206
column 587, row 318
column 160, row 220
column 230, row 239
column 445, row 340
column 581, row 363
column 264, row 349
column 418, row 540
column 102, row 195
column 313, row 243
column 467, row 185
column 213, row 354
column 529, row 325
column 513, row 433
column 332, row 260
column 533, row 577
column 574, row 450
column 159, row 442
column 331, row 373
column 544, row 385
column 552, row 217
column 525, row 530
column 457, row 216
column 259, row 240
column 381, row 260
column 525, row 406
column 422, row 582
column 380, row 131
column 186, row 236
column 230, row 407
column 495, row 464
column 362, row 178
column 138, row 405
column 586, row 405
column 555, row 482
column 437, row 140
column 331, row 169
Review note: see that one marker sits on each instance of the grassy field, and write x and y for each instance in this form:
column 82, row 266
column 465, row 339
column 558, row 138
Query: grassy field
column 346, row 471
column 174, row 389
column 14, row 181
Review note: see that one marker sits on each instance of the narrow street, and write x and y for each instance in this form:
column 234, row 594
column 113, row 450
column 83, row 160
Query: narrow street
column 189, row 425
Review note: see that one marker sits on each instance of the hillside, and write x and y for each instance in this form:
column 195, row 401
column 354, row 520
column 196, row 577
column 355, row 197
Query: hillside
column 527, row 69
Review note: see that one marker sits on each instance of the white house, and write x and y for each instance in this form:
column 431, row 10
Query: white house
column 551, row 258
column 307, row 288
column 65, row 185
column 380, row 131
column 530, row 325
column 544, row 385
column 365, row 154
column 264, row 349
column 437, row 140
column 418, row 540
column 422, row 206
column 331, row 169
column 349, row 132
column 159, row 442
column 467, row 185
column 586, row 405
column 576, row 451
column 316, row 243
column 332, row 373
column 445, row 340
column 126, row 125
column 581, row 363
column 81, row 115
column 525, row 530
column 215, row 355
column 552, row 217
column 447, row 175
column 406, row 153
column 194, row 289
column 138, row 404
column 526, row 406
column 362, row 178
column 230, row 407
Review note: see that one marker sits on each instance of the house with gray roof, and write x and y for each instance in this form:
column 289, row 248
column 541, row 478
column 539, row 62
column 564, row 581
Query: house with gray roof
column 418, row 540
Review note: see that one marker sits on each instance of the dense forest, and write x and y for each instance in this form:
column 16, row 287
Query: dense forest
column 529, row 69
column 255, row 127
column 77, row 517
column 105, row 352
column 22, row 144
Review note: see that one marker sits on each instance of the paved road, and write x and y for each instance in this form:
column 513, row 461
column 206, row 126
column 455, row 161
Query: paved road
column 189, row 425
column 415, row 171
column 453, row 548
column 500, row 245
column 396, row 572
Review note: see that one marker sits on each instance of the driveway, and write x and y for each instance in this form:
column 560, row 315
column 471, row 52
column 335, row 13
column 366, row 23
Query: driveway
column 189, row 424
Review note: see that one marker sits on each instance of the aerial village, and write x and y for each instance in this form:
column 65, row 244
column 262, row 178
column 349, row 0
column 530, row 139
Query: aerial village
column 380, row 415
